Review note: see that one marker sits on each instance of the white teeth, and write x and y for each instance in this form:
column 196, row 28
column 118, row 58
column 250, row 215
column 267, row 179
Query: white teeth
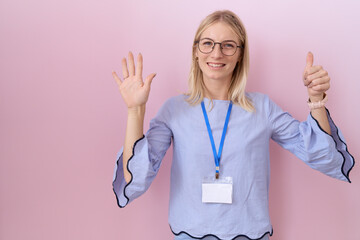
column 215, row 65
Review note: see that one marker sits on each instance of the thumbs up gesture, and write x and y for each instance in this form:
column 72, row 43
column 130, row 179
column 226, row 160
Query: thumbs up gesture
column 316, row 79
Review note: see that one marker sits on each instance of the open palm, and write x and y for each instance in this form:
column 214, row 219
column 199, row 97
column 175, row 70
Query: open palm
column 133, row 90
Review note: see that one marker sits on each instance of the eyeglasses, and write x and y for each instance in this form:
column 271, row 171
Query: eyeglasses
column 228, row 47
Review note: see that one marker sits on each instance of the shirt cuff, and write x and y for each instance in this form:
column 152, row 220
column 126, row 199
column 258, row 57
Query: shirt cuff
column 347, row 160
column 140, row 170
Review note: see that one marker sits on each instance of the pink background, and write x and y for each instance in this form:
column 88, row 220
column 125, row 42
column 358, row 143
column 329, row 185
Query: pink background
column 62, row 118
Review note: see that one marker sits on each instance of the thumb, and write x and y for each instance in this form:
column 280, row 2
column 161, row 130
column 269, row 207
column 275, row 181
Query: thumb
column 149, row 79
column 309, row 60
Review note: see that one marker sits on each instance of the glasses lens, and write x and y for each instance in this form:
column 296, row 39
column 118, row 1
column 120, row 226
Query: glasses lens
column 228, row 48
column 206, row 45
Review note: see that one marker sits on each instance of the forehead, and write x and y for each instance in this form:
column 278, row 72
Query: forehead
column 219, row 31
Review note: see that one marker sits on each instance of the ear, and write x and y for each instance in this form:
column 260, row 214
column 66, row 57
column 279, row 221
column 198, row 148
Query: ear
column 196, row 59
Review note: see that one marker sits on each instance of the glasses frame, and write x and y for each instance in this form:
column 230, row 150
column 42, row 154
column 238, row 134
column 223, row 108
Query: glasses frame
column 220, row 44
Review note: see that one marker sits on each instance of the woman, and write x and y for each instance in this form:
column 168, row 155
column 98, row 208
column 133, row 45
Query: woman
column 218, row 122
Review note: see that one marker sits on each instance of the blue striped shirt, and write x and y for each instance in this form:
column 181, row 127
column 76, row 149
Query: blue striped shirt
column 245, row 158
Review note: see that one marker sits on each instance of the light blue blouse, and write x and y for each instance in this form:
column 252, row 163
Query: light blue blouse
column 245, row 158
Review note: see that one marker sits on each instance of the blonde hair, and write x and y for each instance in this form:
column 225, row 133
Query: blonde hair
column 236, row 91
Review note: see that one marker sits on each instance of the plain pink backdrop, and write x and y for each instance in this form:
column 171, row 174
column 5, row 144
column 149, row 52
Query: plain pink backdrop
column 62, row 118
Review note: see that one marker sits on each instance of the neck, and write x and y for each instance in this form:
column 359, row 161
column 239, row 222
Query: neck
column 216, row 89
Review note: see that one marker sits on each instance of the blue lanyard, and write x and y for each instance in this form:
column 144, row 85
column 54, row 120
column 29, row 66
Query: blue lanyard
column 217, row 156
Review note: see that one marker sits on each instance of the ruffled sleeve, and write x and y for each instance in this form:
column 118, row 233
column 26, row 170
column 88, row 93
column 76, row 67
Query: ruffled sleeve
column 309, row 142
column 145, row 161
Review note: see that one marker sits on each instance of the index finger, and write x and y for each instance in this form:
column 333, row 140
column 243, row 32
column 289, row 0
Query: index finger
column 139, row 66
column 313, row 69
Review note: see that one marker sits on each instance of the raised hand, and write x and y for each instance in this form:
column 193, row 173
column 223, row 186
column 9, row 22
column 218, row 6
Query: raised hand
column 133, row 90
column 316, row 79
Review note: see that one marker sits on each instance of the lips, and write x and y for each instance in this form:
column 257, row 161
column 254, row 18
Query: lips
column 215, row 65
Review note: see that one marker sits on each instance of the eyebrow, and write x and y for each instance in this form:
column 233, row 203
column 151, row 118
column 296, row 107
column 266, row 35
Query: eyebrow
column 221, row 41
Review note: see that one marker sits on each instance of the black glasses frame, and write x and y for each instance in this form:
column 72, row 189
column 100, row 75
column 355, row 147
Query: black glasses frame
column 220, row 44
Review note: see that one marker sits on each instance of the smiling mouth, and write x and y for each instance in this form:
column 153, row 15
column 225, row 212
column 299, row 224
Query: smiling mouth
column 216, row 65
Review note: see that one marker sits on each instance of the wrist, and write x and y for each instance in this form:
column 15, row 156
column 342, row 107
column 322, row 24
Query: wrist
column 317, row 98
column 315, row 102
column 136, row 111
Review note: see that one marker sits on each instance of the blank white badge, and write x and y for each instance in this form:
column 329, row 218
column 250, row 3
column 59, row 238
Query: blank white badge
column 217, row 190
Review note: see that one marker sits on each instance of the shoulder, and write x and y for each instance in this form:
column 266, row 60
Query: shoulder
column 256, row 96
column 263, row 103
column 175, row 102
column 259, row 100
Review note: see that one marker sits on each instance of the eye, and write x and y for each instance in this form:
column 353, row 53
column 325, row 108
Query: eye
column 228, row 45
column 207, row 43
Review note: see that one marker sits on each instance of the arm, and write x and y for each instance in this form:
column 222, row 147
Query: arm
column 146, row 156
column 318, row 82
column 135, row 93
column 327, row 153
column 134, row 131
column 321, row 117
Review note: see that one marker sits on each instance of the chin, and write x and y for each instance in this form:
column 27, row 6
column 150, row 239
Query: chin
column 217, row 77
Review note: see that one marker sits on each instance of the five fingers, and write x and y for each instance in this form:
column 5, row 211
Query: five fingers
column 128, row 69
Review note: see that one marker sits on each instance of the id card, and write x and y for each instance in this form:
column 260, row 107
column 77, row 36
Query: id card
column 217, row 190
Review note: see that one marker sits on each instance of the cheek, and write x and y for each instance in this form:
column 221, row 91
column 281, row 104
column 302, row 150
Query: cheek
column 201, row 62
column 235, row 66
column 234, row 63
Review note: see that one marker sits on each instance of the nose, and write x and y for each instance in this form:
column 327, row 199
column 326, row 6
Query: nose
column 216, row 52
